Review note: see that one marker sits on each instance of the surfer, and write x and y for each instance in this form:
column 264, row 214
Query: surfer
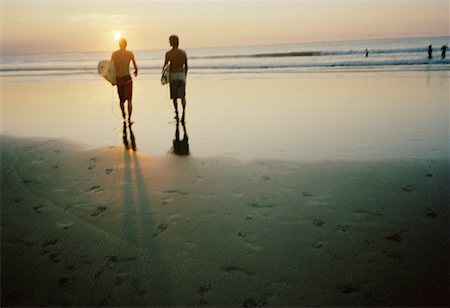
column 430, row 52
column 122, row 59
column 444, row 50
column 178, row 71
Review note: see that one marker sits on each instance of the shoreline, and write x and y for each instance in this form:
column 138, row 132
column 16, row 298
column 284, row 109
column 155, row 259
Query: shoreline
column 113, row 227
column 284, row 117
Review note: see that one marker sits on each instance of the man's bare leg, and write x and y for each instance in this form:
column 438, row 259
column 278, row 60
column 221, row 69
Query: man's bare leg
column 122, row 107
column 176, row 108
column 130, row 110
column 183, row 103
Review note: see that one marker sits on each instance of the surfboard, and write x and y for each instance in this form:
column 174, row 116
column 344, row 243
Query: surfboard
column 165, row 76
column 107, row 69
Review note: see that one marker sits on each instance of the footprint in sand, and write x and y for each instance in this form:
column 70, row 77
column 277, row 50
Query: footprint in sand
column 197, row 178
column 202, row 292
column 109, row 170
column 174, row 191
column 431, row 214
column 260, row 206
column 166, row 201
column 64, row 225
column 50, row 242
column 317, row 245
column 95, row 189
column 54, row 257
column 254, row 303
column 307, row 194
column 38, row 208
column 397, row 238
column 116, row 259
column 161, row 228
column 318, row 222
column 407, row 188
column 342, row 228
column 235, row 269
column 92, row 163
column 99, row 210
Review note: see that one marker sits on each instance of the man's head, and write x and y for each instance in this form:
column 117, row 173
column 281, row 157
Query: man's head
column 123, row 43
column 174, row 41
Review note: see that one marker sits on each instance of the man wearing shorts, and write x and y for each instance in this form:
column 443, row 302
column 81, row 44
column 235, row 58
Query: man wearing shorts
column 178, row 70
column 122, row 59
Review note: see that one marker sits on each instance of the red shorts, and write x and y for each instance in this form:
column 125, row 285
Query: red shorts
column 125, row 88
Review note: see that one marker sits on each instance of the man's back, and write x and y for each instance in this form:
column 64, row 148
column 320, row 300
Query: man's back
column 122, row 59
column 178, row 59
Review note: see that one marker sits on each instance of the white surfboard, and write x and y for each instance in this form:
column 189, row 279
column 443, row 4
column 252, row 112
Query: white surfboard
column 107, row 69
column 165, row 76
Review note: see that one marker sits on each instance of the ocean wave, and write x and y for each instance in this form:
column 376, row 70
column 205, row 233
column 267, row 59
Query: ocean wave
column 263, row 55
column 443, row 64
column 312, row 53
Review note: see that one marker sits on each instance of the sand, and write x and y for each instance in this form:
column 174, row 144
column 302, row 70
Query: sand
column 88, row 222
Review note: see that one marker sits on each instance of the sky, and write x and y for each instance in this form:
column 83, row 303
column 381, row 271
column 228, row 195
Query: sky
column 31, row 26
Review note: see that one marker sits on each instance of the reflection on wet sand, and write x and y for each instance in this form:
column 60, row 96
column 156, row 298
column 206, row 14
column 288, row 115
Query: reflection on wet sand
column 132, row 140
column 180, row 147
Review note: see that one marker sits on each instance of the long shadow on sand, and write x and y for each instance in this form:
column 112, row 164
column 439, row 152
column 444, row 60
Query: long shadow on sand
column 140, row 230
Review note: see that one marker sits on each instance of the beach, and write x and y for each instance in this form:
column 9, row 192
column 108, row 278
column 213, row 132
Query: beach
column 315, row 189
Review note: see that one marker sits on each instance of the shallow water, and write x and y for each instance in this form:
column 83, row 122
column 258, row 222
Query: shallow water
column 326, row 116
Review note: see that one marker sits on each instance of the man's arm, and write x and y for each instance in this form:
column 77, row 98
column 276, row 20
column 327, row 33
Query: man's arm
column 135, row 66
column 185, row 65
column 166, row 60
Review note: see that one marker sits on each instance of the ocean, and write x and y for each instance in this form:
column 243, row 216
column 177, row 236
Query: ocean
column 407, row 54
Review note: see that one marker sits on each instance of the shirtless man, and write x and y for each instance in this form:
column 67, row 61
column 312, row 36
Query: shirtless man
column 122, row 59
column 178, row 70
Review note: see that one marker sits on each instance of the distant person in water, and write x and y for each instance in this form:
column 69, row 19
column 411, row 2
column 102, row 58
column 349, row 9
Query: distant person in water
column 444, row 50
column 122, row 59
column 178, row 71
column 367, row 53
column 430, row 52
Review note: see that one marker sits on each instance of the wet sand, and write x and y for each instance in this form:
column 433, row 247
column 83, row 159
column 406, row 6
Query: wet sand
column 348, row 222
column 347, row 116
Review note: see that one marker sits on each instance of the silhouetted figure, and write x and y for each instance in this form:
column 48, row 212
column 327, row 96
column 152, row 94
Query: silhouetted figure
column 178, row 71
column 181, row 147
column 443, row 51
column 367, row 53
column 126, row 143
column 430, row 52
column 122, row 59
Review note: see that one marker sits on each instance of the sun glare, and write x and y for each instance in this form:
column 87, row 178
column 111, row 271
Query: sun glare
column 117, row 36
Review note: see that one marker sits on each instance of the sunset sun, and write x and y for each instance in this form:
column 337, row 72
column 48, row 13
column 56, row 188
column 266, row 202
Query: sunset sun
column 117, row 36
